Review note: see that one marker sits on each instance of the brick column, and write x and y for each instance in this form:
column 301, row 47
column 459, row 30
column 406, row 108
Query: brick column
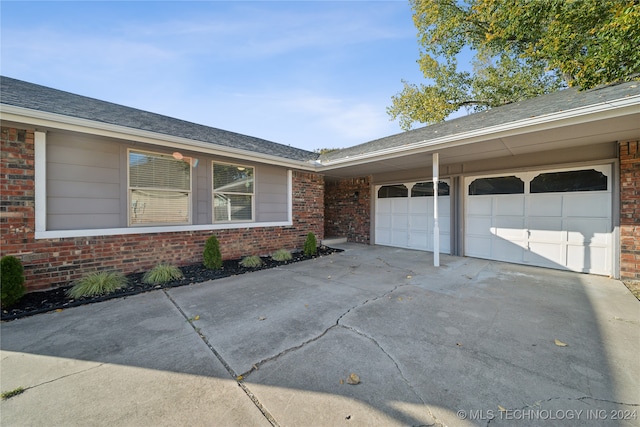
column 630, row 210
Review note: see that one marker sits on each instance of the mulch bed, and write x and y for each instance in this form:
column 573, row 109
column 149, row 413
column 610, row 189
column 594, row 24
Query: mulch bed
column 57, row 299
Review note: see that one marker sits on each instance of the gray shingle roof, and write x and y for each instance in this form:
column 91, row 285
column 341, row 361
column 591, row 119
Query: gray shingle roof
column 35, row 97
column 556, row 102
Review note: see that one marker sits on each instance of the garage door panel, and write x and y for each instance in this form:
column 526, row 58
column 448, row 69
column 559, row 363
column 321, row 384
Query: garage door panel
column 509, row 227
column 545, row 255
column 399, row 239
column 383, row 206
column 399, row 206
column 383, row 236
column 588, row 258
column 480, row 205
column 587, row 205
column 544, row 205
column 420, row 240
column 546, row 229
column 509, row 204
column 420, row 206
column 510, row 251
column 383, row 221
column 592, row 230
column 478, row 246
column 479, row 226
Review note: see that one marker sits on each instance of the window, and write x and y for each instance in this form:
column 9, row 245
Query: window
column 425, row 189
column 388, row 191
column 581, row 180
column 159, row 189
column 233, row 192
column 497, row 185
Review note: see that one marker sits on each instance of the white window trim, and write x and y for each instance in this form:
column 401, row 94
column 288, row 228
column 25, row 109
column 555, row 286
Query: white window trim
column 40, row 195
column 253, row 195
column 129, row 188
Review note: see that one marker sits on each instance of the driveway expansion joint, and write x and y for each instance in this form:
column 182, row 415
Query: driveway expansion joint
column 238, row 379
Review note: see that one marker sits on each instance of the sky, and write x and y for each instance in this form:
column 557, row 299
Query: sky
column 310, row 74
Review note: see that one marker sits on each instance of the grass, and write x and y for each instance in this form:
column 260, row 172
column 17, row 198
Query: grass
column 252, row 261
column 11, row 393
column 162, row 273
column 99, row 283
column 281, row 255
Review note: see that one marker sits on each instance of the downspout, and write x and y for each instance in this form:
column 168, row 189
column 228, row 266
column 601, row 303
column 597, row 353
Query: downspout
column 436, row 227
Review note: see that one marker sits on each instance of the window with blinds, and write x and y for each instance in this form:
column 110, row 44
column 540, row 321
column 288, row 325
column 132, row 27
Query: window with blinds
column 233, row 193
column 159, row 189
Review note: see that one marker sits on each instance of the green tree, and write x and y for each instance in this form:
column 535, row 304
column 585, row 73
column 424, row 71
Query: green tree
column 521, row 49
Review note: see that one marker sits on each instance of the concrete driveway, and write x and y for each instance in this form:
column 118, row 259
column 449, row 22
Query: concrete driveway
column 470, row 343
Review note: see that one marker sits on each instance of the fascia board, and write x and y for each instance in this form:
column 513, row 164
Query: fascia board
column 58, row 121
column 610, row 109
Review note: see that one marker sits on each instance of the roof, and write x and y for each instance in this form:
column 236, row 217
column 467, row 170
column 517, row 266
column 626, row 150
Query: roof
column 41, row 98
column 564, row 100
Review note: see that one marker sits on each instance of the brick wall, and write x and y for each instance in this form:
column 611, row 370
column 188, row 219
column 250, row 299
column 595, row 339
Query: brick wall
column 630, row 210
column 348, row 209
column 55, row 262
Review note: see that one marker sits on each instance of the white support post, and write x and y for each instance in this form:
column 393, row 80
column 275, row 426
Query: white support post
column 436, row 227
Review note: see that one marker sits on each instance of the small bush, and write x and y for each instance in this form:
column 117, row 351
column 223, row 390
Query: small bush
column 99, row 283
column 310, row 245
column 281, row 255
column 252, row 261
column 162, row 273
column 11, row 280
column 212, row 258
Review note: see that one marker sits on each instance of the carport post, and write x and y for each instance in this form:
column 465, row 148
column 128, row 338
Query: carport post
column 436, row 228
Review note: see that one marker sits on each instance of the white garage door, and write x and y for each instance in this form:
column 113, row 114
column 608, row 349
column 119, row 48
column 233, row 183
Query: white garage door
column 404, row 216
column 559, row 219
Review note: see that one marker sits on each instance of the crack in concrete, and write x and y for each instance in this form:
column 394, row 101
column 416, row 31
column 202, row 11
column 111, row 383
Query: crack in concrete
column 238, row 378
column 64, row 376
column 257, row 365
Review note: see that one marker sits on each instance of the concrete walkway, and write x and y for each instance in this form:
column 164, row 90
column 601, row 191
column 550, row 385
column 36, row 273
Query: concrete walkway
column 469, row 343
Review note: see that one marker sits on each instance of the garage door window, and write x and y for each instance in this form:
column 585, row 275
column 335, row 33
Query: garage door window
column 389, row 191
column 580, row 180
column 425, row 189
column 496, row 185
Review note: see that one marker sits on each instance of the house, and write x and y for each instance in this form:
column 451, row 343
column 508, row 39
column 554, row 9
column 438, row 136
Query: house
column 551, row 181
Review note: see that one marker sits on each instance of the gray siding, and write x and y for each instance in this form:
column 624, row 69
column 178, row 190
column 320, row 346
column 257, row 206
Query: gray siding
column 83, row 183
column 87, row 184
column 271, row 194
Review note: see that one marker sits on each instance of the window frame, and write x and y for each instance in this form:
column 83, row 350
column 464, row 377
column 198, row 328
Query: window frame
column 214, row 192
column 130, row 189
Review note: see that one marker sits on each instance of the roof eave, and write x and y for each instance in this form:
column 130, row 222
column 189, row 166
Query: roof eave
column 604, row 110
column 43, row 119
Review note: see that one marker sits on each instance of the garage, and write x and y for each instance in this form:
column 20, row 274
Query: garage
column 553, row 218
column 404, row 215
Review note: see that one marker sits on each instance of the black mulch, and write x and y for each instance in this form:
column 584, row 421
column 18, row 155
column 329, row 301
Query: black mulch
column 56, row 299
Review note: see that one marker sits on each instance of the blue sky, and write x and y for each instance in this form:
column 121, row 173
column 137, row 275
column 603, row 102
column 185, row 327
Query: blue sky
column 302, row 73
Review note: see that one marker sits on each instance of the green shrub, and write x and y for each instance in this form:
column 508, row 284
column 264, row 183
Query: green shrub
column 310, row 245
column 98, row 283
column 212, row 258
column 281, row 255
column 11, row 280
column 252, row 261
column 162, row 273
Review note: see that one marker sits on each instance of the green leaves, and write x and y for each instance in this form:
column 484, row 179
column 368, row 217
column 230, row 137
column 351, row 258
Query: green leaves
column 522, row 50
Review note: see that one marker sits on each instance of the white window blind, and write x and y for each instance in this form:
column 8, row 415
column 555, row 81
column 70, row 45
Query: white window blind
column 233, row 193
column 159, row 189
